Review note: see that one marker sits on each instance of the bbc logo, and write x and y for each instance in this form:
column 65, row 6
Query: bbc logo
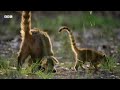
column 8, row 16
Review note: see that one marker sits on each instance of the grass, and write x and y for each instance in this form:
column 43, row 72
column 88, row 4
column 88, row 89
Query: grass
column 45, row 75
column 52, row 23
column 7, row 71
column 110, row 64
column 77, row 21
column 38, row 73
column 4, row 63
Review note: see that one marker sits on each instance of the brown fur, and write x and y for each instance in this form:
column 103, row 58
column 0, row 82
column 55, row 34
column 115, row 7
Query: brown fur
column 47, row 64
column 83, row 54
column 32, row 42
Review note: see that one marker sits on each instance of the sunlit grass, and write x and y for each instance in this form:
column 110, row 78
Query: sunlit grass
column 7, row 71
column 43, row 75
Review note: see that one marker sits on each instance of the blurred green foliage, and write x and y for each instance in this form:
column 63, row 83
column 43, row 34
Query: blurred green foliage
column 52, row 22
